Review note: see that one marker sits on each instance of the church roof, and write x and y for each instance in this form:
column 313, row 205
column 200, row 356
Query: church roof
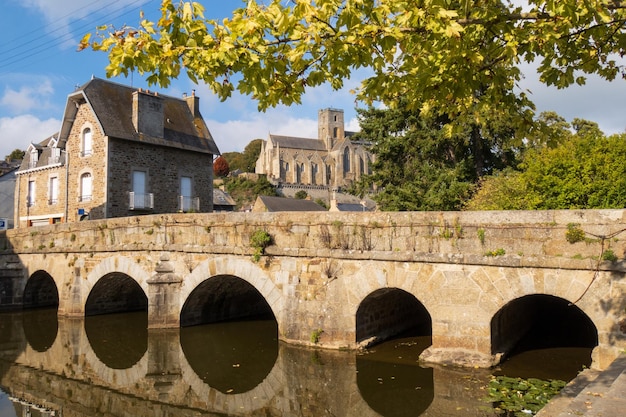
column 292, row 142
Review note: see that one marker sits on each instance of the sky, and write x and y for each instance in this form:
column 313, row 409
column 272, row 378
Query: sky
column 40, row 67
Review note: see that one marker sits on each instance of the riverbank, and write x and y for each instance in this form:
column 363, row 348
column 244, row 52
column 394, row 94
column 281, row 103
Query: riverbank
column 592, row 394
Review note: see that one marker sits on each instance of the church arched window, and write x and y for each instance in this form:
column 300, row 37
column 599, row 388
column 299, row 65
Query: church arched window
column 346, row 161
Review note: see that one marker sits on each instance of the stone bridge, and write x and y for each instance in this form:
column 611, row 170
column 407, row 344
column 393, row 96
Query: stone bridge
column 479, row 283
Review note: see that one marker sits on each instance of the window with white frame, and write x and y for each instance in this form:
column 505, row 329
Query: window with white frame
column 53, row 190
column 34, row 157
column 186, row 202
column 87, row 142
column 85, row 187
column 139, row 197
column 30, row 197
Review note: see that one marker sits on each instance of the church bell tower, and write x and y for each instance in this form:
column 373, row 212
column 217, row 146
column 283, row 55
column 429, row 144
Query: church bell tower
column 330, row 127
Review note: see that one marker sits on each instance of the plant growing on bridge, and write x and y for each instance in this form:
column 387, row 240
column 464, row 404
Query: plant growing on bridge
column 325, row 237
column 609, row 255
column 315, row 336
column 481, row 235
column 259, row 240
column 496, row 252
column 574, row 233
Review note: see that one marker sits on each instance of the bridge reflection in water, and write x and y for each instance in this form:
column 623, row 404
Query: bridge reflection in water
column 111, row 365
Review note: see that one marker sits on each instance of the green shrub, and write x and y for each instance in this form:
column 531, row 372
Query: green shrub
column 260, row 240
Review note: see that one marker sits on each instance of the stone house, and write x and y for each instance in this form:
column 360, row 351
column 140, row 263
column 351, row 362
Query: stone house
column 120, row 152
column 331, row 161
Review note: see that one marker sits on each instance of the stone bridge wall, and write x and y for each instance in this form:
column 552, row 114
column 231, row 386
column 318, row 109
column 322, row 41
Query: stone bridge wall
column 462, row 266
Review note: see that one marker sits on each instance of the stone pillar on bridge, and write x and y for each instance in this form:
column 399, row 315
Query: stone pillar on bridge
column 163, row 296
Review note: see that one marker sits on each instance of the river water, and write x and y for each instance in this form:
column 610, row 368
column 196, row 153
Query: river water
column 113, row 366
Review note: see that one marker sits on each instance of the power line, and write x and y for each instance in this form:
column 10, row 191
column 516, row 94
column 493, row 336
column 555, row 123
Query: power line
column 52, row 44
column 41, row 29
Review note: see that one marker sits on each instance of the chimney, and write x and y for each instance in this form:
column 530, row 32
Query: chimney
column 148, row 113
column 194, row 103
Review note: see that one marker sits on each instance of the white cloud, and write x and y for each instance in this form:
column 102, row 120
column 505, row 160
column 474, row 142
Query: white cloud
column 28, row 97
column 598, row 100
column 18, row 132
column 234, row 135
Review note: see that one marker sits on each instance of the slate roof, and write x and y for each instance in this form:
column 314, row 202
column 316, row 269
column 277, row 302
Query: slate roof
column 222, row 199
column 289, row 204
column 45, row 157
column 112, row 105
column 351, row 207
column 292, row 142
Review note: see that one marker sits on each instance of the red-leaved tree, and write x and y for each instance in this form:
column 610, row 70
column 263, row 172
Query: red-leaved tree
column 220, row 167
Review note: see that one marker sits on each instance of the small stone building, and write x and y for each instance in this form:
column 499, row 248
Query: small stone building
column 332, row 160
column 120, row 152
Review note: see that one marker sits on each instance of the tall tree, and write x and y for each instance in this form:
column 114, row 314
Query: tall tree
column 437, row 54
column 246, row 160
column 419, row 167
column 251, row 153
column 16, row 154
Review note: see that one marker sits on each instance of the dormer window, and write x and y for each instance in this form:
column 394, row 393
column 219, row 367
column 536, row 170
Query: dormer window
column 55, row 156
column 34, row 157
column 87, row 142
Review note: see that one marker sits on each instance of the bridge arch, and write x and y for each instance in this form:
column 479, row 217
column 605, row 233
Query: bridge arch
column 388, row 312
column 40, row 291
column 236, row 268
column 540, row 321
column 114, row 277
column 115, row 293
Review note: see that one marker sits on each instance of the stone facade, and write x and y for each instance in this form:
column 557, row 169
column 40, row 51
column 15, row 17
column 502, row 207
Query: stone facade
column 120, row 152
column 332, row 160
column 464, row 268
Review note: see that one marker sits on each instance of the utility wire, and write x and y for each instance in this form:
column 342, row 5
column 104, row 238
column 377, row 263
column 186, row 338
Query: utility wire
column 41, row 29
column 51, row 44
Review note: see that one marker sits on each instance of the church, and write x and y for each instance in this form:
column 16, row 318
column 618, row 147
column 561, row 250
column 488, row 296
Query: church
column 332, row 160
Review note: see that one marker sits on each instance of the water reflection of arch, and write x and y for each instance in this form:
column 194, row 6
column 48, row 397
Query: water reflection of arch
column 91, row 365
column 239, row 268
column 72, row 355
column 248, row 402
column 40, row 328
column 122, row 378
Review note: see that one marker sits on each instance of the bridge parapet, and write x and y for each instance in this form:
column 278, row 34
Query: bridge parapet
column 514, row 239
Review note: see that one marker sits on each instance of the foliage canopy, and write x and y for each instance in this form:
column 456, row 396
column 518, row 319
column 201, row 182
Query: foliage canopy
column 220, row 167
column 16, row 154
column 437, row 54
column 419, row 167
column 587, row 171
